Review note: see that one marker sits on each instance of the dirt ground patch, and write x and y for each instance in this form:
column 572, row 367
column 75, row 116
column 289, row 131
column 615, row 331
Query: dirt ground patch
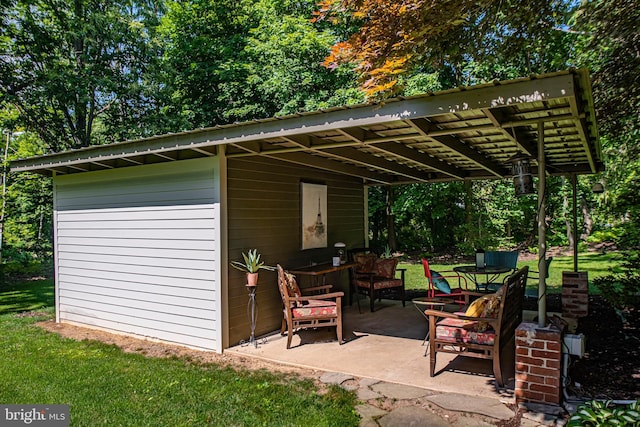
column 160, row 349
column 610, row 368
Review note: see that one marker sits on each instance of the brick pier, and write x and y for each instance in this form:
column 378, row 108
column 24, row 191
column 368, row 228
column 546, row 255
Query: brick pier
column 575, row 294
column 538, row 364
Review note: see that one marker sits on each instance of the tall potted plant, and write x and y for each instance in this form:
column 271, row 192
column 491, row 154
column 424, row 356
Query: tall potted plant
column 251, row 264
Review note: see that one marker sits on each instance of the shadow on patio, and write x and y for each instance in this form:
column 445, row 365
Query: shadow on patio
column 386, row 345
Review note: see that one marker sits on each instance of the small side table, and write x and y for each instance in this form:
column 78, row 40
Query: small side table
column 421, row 304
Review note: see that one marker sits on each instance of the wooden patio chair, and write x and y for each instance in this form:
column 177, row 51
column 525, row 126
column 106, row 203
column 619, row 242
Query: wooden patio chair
column 485, row 330
column 380, row 281
column 317, row 309
column 438, row 286
column 364, row 259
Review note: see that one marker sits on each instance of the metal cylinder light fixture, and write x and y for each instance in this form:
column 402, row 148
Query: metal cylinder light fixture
column 598, row 188
column 521, row 173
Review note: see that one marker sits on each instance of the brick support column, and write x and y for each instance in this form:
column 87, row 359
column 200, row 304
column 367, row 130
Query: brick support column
column 538, row 364
column 575, row 294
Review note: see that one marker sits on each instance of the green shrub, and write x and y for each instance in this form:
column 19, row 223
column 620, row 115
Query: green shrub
column 607, row 235
column 21, row 269
column 18, row 263
column 622, row 289
column 597, row 413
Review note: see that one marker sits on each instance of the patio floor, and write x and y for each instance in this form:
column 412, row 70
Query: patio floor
column 386, row 345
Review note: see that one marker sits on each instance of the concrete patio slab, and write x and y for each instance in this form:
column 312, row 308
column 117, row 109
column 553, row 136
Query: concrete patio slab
column 386, row 345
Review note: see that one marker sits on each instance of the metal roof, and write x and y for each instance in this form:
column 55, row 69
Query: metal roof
column 457, row 134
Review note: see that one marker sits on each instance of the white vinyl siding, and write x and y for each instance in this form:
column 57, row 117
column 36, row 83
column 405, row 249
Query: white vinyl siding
column 138, row 251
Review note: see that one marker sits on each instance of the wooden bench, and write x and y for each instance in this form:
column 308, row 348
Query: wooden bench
column 480, row 337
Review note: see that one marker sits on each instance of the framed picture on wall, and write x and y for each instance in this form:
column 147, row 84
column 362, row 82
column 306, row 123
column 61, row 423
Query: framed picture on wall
column 313, row 202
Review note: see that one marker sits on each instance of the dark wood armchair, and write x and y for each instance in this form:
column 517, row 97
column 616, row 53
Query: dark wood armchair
column 316, row 309
column 485, row 336
column 377, row 278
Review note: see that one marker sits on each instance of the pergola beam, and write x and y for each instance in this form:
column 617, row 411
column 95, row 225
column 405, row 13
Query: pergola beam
column 405, row 153
column 332, row 166
column 471, row 154
column 496, row 117
column 365, row 160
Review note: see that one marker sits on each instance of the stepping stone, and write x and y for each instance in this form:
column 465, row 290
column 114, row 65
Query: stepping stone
column 412, row 416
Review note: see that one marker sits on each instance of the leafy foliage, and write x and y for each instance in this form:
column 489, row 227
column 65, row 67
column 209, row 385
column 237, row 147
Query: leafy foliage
column 451, row 218
column 622, row 289
column 205, row 61
column 418, row 212
column 597, row 413
column 28, row 223
column 235, row 61
column 252, row 263
column 608, row 45
column 394, row 37
column 285, row 58
column 65, row 64
column 610, row 40
column 620, row 205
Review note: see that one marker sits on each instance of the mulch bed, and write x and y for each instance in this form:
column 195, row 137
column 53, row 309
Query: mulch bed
column 611, row 366
column 610, row 369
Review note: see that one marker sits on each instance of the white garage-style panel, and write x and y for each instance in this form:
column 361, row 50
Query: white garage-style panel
column 138, row 251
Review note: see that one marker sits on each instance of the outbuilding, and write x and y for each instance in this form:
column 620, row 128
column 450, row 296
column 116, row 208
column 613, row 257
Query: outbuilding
column 144, row 230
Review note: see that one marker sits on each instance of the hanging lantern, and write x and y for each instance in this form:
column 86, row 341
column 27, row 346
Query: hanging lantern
column 480, row 261
column 521, row 173
column 597, row 188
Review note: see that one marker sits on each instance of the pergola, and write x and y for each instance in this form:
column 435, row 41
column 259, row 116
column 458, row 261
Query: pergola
column 467, row 133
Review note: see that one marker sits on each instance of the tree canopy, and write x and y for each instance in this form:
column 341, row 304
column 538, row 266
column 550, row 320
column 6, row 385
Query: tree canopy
column 229, row 61
column 85, row 72
column 396, row 38
column 65, row 64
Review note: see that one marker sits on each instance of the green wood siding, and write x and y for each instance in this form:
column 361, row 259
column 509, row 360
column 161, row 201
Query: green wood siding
column 264, row 213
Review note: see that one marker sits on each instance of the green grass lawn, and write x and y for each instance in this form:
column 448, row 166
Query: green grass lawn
column 595, row 264
column 105, row 386
column 26, row 295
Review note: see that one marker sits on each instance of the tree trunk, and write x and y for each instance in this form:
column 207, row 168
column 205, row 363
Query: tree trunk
column 468, row 207
column 588, row 220
column 567, row 213
column 391, row 230
column 81, row 134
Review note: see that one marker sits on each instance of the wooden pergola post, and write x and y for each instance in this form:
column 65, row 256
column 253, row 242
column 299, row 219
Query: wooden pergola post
column 542, row 230
column 574, row 189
